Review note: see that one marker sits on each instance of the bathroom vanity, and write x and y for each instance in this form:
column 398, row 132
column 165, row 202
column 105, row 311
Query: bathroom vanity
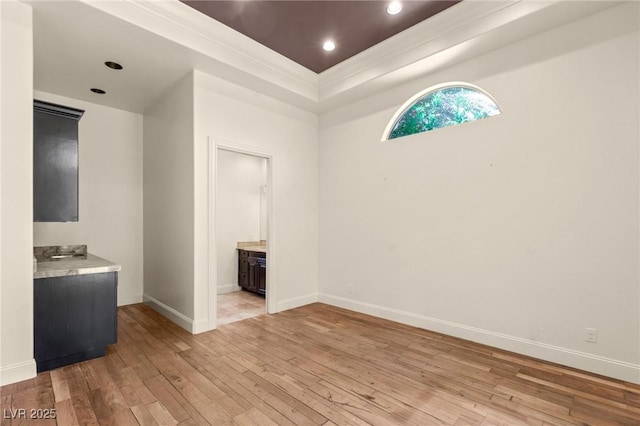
column 252, row 267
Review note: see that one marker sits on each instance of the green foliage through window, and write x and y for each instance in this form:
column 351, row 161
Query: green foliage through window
column 445, row 107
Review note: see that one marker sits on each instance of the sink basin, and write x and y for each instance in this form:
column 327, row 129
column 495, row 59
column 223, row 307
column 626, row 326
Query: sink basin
column 56, row 253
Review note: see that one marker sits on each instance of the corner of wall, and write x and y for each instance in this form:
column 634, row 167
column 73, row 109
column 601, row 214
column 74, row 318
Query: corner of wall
column 16, row 114
column 168, row 182
column 169, row 313
column 296, row 302
column 18, row 372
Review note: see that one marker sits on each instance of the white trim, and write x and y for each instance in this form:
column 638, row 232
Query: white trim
column 214, row 144
column 2, row 375
column 296, row 302
column 18, row 372
column 170, row 313
column 129, row 300
column 456, row 24
column 426, row 92
column 465, row 30
column 200, row 326
column 222, row 49
column 596, row 364
column 228, row 288
column 212, row 254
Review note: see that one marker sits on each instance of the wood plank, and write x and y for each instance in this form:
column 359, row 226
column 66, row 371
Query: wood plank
column 573, row 391
column 277, row 392
column 535, row 396
column 66, row 414
column 142, row 393
column 229, row 392
column 253, row 386
column 161, row 415
column 84, row 410
column 120, row 418
column 526, row 415
column 143, row 415
column 107, row 401
column 33, row 398
column 403, row 407
column 60, row 386
column 315, row 365
column 207, row 407
column 602, row 412
column 6, row 406
column 157, row 387
column 254, row 417
column 356, row 406
column 75, row 378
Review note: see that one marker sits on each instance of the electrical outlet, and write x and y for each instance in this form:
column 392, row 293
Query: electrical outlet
column 591, row 335
column 350, row 289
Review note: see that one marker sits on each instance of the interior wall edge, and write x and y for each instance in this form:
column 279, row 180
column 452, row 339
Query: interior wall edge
column 130, row 300
column 296, row 302
column 201, row 326
column 228, row 288
column 168, row 312
column 168, row 249
column 16, row 132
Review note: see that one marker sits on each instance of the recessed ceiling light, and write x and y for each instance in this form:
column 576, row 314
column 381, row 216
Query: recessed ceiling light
column 394, row 8
column 329, row 45
column 99, row 91
column 113, row 65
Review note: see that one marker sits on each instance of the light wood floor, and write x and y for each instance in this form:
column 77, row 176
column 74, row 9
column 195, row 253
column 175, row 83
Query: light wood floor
column 239, row 305
column 316, row 365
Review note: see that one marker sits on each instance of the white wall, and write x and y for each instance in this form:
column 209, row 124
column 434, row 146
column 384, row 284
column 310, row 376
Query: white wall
column 16, row 179
column 110, row 181
column 264, row 202
column 238, row 212
column 168, row 204
column 517, row 231
column 241, row 118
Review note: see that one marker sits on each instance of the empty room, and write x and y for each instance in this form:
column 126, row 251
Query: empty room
column 320, row 212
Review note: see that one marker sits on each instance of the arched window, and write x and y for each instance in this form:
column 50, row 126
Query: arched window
column 441, row 106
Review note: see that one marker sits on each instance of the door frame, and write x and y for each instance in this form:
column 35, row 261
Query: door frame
column 214, row 145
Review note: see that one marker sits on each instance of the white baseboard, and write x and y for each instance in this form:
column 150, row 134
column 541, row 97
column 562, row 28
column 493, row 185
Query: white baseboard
column 201, row 327
column 296, row 302
column 228, row 288
column 129, row 300
column 18, row 372
column 596, row 364
column 170, row 313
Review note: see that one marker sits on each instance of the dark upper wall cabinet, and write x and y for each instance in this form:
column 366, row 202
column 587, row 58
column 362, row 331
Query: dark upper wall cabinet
column 55, row 162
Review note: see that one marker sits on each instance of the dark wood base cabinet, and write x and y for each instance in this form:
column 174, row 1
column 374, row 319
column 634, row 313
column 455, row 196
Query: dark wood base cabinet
column 75, row 318
column 252, row 271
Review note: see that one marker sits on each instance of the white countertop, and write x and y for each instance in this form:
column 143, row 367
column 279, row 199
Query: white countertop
column 260, row 249
column 74, row 266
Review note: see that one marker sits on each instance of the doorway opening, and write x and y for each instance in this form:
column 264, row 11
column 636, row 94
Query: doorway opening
column 241, row 234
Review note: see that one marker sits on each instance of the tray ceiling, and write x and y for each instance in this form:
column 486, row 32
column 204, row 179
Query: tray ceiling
column 297, row 29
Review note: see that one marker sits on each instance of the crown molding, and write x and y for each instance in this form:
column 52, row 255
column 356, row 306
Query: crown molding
column 211, row 39
column 463, row 31
column 456, row 24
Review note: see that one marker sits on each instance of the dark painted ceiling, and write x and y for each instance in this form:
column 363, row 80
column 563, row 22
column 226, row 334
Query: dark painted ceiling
column 297, row 29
